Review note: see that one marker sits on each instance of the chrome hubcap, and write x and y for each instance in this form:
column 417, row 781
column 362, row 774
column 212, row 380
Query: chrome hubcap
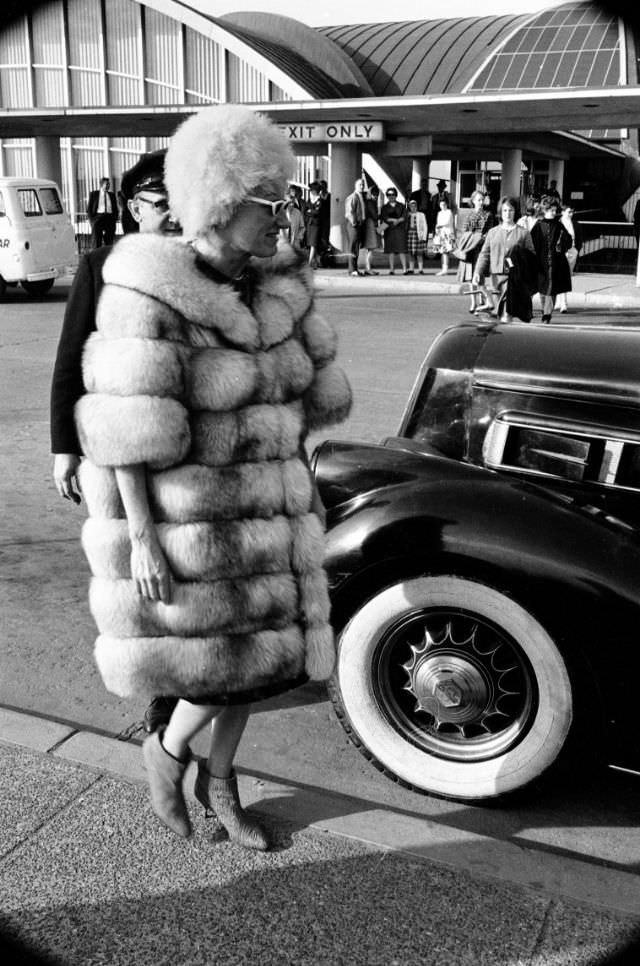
column 455, row 685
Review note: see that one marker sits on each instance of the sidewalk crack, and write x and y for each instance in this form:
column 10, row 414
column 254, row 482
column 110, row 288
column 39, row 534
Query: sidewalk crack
column 543, row 932
column 36, row 829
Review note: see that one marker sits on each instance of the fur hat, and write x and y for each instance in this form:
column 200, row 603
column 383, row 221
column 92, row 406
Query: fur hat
column 217, row 158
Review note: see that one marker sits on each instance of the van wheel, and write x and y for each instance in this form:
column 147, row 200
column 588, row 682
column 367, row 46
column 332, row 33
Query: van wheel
column 38, row 288
column 453, row 688
column 3, row 286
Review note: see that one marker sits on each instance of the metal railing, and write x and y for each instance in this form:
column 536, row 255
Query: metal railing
column 608, row 246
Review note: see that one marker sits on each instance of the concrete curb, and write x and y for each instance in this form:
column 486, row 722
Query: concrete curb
column 419, row 839
column 606, row 297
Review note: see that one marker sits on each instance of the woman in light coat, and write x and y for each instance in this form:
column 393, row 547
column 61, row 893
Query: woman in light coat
column 205, row 538
column 417, row 234
column 445, row 235
column 495, row 258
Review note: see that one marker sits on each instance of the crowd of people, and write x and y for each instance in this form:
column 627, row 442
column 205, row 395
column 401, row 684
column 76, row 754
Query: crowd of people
column 489, row 244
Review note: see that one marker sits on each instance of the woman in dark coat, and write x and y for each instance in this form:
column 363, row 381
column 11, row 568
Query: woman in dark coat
column 393, row 217
column 551, row 241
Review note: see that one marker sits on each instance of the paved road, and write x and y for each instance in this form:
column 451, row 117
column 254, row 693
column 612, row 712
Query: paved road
column 47, row 631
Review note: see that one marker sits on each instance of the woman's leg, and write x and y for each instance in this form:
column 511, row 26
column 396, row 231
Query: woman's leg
column 217, row 784
column 547, row 308
column 185, row 723
column 391, row 261
column 227, row 728
column 165, row 754
column 403, row 261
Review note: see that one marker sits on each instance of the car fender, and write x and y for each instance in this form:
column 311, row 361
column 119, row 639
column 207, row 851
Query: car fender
column 572, row 566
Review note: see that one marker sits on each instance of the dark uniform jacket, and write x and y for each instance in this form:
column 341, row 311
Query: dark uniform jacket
column 79, row 322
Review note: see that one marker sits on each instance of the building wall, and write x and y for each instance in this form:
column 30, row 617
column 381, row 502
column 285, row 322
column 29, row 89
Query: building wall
column 116, row 53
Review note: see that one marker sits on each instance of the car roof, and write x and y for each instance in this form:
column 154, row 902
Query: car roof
column 589, row 362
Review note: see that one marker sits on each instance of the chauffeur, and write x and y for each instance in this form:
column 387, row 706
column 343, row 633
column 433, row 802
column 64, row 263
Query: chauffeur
column 146, row 196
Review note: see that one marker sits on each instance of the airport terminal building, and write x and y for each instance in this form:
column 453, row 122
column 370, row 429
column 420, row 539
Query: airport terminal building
column 508, row 102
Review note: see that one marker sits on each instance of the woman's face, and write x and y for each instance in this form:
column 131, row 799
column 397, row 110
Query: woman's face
column 550, row 213
column 413, row 207
column 254, row 229
column 508, row 212
column 443, row 205
column 478, row 202
column 391, row 197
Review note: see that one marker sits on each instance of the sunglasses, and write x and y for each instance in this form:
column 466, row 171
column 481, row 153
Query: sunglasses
column 276, row 206
column 391, row 194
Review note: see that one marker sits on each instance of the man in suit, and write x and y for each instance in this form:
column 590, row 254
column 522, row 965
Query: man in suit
column 147, row 201
column 102, row 209
column 355, row 215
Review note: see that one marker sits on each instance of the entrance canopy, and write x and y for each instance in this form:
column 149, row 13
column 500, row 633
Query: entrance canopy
column 541, row 120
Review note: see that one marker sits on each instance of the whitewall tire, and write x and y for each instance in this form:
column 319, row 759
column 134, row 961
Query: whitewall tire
column 452, row 687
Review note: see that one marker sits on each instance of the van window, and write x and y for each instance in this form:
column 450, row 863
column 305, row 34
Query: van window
column 29, row 202
column 51, row 202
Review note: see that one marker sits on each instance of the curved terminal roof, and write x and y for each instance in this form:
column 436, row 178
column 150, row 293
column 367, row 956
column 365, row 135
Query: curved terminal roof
column 422, row 56
column 577, row 44
column 314, row 62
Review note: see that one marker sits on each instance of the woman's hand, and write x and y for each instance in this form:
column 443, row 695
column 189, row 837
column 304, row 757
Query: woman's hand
column 149, row 568
column 65, row 476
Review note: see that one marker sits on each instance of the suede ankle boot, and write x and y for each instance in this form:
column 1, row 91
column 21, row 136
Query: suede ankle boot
column 219, row 796
column 165, row 775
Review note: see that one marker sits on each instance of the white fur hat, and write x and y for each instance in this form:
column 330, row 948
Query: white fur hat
column 217, row 158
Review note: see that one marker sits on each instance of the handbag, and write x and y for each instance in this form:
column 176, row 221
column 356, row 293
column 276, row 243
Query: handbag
column 467, row 243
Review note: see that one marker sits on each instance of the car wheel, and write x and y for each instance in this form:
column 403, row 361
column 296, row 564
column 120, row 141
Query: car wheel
column 453, row 688
column 38, row 288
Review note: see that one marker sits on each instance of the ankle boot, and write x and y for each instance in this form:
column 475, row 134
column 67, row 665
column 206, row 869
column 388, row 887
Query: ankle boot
column 219, row 796
column 165, row 775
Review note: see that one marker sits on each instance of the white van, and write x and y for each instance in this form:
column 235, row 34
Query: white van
column 37, row 240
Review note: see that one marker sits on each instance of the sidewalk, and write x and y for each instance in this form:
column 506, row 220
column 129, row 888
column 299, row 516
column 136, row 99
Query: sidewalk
column 88, row 876
column 590, row 291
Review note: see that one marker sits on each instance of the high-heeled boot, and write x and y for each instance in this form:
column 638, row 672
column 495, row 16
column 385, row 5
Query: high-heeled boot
column 219, row 796
column 165, row 775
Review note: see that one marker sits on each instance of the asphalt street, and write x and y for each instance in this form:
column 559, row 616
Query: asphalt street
column 538, row 877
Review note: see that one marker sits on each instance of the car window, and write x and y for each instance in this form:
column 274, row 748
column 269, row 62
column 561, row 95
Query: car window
column 29, row 202
column 50, row 201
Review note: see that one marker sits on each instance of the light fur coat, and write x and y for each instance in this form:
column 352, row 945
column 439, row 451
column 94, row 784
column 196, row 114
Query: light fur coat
column 216, row 399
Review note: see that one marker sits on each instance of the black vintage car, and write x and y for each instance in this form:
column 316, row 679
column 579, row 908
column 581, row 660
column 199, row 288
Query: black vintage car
column 484, row 563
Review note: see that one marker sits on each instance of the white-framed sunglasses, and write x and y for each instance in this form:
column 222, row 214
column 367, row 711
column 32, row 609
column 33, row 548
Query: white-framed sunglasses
column 276, row 206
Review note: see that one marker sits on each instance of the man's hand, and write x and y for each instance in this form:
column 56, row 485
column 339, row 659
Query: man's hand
column 149, row 568
column 65, row 475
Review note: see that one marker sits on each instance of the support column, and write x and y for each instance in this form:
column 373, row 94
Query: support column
column 511, row 172
column 556, row 173
column 345, row 169
column 48, row 163
column 419, row 170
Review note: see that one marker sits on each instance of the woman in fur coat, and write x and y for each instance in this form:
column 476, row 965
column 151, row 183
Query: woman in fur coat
column 205, row 537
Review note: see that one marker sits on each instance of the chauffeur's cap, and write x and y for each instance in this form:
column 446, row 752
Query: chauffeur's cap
column 146, row 174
